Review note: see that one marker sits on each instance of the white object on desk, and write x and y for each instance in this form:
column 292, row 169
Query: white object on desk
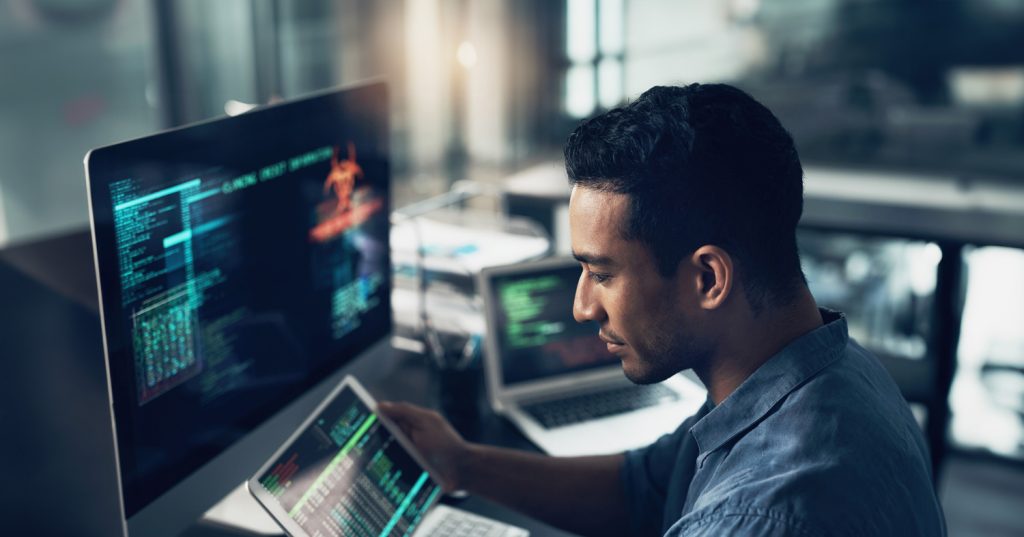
column 460, row 249
column 240, row 510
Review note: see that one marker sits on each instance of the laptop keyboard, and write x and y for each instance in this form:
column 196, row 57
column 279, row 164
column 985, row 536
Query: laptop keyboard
column 562, row 412
column 458, row 523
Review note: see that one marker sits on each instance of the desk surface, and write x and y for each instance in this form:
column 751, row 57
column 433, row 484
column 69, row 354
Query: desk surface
column 55, row 397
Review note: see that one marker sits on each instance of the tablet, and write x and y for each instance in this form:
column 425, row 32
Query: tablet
column 346, row 471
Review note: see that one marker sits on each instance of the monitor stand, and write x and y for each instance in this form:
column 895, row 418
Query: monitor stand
column 237, row 515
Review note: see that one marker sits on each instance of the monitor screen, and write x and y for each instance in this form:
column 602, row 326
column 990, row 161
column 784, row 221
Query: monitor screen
column 537, row 335
column 240, row 261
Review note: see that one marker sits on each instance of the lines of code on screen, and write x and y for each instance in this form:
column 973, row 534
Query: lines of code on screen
column 525, row 302
column 538, row 335
column 158, row 283
column 227, row 274
column 346, row 475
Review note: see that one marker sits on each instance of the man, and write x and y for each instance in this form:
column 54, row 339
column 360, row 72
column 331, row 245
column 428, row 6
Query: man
column 683, row 216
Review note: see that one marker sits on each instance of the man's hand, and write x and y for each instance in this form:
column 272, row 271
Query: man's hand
column 434, row 437
column 581, row 494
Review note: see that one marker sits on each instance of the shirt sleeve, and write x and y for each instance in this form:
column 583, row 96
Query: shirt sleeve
column 739, row 523
column 646, row 474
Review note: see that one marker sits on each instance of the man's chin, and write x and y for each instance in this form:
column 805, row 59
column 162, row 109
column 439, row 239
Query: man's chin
column 643, row 376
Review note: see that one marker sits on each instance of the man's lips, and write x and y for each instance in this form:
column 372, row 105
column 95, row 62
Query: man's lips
column 610, row 341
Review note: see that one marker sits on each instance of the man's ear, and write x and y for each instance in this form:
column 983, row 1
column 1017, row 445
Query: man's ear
column 715, row 274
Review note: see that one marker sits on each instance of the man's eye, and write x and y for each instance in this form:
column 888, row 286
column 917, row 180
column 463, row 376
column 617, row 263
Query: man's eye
column 599, row 277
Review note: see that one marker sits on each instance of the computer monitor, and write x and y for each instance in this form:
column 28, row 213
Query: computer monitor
column 239, row 261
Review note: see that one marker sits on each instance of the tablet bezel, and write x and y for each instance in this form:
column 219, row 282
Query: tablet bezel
column 270, row 503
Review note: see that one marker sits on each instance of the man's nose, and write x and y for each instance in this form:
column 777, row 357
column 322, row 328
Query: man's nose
column 584, row 307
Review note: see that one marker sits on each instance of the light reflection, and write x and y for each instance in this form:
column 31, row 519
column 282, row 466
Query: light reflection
column 579, row 91
column 987, row 397
column 581, row 26
column 885, row 286
column 611, row 25
column 466, row 54
column 609, row 74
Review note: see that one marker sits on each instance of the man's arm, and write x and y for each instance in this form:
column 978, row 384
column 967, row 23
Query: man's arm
column 579, row 494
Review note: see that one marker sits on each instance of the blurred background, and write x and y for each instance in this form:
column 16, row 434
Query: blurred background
column 908, row 114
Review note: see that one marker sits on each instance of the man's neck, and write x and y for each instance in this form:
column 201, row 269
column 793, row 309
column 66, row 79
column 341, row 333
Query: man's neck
column 751, row 341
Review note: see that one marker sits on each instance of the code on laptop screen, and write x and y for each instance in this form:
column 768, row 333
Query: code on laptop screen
column 538, row 337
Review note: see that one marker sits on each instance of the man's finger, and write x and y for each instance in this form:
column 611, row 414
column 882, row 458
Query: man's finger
column 403, row 408
column 399, row 411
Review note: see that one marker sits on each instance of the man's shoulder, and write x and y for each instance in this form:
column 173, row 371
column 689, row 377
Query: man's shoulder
column 825, row 498
column 849, row 419
column 854, row 392
column 828, row 454
column 858, row 398
column 735, row 518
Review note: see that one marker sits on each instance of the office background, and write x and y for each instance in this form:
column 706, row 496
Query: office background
column 887, row 99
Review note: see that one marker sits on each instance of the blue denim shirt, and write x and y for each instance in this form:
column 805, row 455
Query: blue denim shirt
column 818, row 441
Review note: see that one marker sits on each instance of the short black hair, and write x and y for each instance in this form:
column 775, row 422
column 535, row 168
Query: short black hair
column 702, row 164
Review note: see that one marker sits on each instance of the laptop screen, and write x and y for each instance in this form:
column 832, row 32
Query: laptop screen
column 537, row 335
column 346, row 474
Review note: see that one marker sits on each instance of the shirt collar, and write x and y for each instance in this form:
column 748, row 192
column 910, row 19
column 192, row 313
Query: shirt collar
column 800, row 360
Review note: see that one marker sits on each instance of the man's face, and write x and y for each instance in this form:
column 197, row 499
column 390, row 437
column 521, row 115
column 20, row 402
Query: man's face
column 647, row 320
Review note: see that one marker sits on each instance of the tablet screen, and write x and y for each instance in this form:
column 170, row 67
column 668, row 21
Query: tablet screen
column 346, row 474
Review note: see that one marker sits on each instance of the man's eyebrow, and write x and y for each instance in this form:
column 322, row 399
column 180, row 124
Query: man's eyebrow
column 591, row 259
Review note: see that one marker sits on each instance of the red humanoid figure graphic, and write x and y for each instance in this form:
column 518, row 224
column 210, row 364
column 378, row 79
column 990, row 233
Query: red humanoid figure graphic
column 343, row 177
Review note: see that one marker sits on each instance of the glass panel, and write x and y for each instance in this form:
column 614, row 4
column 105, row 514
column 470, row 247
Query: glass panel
column 325, row 43
column 987, row 397
column 885, row 286
column 609, row 76
column 581, row 26
column 217, row 58
column 579, row 91
column 308, row 46
column 75, row 76
column 611, row 27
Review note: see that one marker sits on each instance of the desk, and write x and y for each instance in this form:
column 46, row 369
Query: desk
column 57, row 443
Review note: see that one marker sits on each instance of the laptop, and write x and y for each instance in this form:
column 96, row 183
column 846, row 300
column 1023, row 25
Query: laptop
column 347, row 471
column 555, row 380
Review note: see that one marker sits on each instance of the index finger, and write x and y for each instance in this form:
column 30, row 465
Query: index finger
column 397, row 410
